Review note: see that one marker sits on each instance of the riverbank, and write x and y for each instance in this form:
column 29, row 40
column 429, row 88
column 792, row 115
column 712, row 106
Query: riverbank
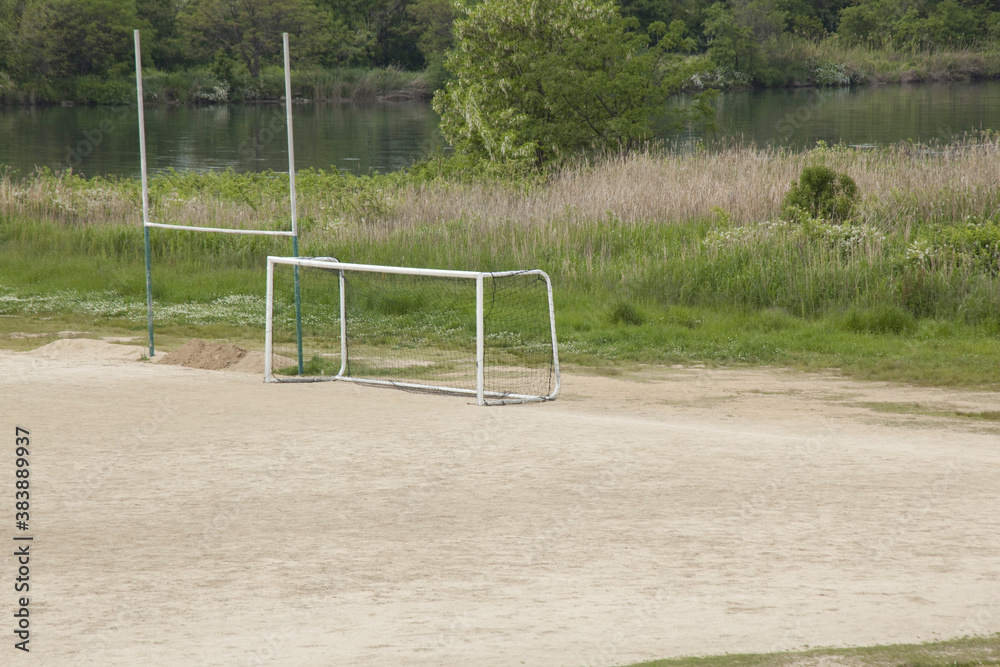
column 656, row 258
column 830, row 62
column 203, row 86
column 785, row 63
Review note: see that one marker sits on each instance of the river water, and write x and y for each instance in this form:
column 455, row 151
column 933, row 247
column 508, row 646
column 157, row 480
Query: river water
column 385, row 137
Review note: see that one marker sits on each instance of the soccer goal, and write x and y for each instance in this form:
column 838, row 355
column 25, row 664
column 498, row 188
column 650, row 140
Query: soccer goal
column 488, row 335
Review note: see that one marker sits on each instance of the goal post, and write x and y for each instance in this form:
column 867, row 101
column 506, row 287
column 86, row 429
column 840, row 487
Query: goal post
column 491, row 335
column 147, row 223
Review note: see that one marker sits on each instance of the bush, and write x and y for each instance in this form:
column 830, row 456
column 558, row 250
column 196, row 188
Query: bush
column 625, row 313
column 821, row 193
column 96, row 90
column 884, row 319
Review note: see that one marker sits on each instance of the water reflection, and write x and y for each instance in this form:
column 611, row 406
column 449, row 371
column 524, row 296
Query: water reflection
column 390, row 136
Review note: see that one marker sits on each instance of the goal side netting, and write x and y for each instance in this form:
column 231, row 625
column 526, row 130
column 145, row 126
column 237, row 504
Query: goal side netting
column 488, row 335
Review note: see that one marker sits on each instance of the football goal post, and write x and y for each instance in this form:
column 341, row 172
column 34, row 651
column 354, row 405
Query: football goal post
column 148, row 223
column 491, row 335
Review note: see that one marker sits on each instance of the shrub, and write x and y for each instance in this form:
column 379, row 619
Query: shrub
column 625, row 313
column 95, row 90
column 883, row 319
column 821, row 193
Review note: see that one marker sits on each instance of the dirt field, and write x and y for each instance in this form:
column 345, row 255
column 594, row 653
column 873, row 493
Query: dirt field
column 186, row 516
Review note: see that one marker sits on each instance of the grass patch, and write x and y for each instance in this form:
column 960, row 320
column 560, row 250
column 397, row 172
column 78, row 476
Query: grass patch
column 919, row 409
column 907, row 289
column 627, row 314
column 986, row 415
column 957, row 652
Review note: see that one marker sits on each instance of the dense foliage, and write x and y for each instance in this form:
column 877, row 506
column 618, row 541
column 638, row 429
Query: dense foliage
column 820, row 192
column 535, row 80
column 750, row 41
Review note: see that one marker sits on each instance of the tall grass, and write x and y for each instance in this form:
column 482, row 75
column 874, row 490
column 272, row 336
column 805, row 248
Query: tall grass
column 655, row 255
column 902, row 186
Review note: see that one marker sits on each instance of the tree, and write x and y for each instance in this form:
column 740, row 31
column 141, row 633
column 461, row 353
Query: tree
column 666, row 11
column 730, row 42
column 381, row 30
column 870, row 22
column 9, row 20
column 164, row 45
column 62, row 38
column 251, row 29
column 536, row 80
column 948, row 24
column 432, row 22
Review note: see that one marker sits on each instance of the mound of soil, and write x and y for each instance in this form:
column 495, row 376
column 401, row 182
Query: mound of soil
column 197, row 353
column 202, row 354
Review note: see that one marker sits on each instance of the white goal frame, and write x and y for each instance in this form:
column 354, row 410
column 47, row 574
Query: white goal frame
column 483, row 397
column 147, row 224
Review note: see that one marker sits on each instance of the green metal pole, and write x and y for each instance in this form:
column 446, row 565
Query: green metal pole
column 145, row 188
column 149, row 290
column 291, row 194
column 298, row 305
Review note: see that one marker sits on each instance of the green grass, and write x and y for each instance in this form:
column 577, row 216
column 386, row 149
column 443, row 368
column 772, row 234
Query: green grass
column 907, row 290
column 965, row 652
column 595, row 324
column 933, row 411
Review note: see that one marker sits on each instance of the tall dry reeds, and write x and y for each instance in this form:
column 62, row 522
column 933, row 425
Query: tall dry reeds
column 900, row 186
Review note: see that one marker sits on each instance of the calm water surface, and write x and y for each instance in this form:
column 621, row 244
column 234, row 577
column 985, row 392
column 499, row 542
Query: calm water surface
column 390, row 136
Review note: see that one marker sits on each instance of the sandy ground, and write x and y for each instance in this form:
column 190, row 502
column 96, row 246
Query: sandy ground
column 187, row 516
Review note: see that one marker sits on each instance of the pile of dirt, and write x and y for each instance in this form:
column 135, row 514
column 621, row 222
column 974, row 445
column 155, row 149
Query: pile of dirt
column 197, row 353
column 89, row 349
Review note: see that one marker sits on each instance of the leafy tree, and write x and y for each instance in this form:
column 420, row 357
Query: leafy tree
column 9, row 20
column 947, row 24
column 766, row 18
column 165, row 46
column 808, row 27
column 432, row 26
column 536, row 80
column 993, row 26
column 648, row 12
column 63, row 38
column 251, row 29
column 730, row 42
column 380, row 29
column 870, row 22
column 813, row 18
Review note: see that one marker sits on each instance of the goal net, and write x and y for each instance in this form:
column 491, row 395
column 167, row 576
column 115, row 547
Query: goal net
column 490, row 335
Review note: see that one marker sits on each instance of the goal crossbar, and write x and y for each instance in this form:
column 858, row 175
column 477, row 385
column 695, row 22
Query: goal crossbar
column 483, row 395
column 148, row 224
column 220, row 230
